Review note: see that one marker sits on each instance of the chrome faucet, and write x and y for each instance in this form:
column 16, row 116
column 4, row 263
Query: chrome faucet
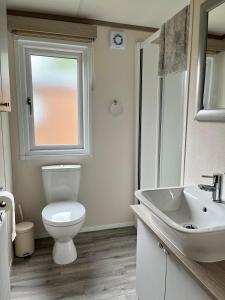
column 216, row 188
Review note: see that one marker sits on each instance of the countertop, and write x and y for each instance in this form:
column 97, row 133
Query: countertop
column 211, row 276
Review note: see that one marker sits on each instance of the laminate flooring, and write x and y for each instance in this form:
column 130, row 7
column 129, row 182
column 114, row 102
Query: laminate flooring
column 105, row 269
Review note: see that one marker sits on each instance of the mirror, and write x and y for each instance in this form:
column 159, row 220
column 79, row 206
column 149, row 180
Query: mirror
column 211, row 62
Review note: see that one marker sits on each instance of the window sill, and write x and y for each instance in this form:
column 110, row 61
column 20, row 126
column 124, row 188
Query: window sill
column 67, row 156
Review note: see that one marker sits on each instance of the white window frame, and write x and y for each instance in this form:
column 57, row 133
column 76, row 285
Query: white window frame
column 24, row 48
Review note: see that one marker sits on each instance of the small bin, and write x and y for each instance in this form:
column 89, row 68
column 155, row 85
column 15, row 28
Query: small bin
column 24, row 242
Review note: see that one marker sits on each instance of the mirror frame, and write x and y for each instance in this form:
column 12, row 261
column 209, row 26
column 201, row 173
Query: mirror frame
column 210, row 115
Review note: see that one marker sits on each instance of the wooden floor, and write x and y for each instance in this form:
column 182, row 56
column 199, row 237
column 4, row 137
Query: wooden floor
column 105, row 269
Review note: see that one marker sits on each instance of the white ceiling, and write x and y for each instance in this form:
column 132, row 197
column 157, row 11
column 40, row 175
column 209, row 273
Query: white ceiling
column 136, row 12
column 217, row 20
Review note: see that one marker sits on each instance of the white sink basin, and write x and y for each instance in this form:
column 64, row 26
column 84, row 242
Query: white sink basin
column 174, row 209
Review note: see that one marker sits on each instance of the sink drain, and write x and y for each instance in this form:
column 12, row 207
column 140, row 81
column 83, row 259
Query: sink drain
column 190, row 226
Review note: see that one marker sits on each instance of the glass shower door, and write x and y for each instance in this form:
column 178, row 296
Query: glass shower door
column 172, row 129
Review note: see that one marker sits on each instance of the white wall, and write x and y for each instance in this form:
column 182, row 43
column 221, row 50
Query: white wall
column 5, row 153
column 107, row 185
column 5, row 166
column 2, row 162
column 205, row 152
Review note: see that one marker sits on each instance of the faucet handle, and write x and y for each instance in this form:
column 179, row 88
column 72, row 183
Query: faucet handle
column 217, row 178
column 212, row 176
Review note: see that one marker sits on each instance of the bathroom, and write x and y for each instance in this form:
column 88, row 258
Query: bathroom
column 103, row 195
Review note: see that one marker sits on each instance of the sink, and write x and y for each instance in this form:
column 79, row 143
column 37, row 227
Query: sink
column 189, row 218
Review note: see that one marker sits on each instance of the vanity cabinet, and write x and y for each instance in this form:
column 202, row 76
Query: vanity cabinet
column 159, row 275
column 5, row 104
column 180, row 284
column 151, row 265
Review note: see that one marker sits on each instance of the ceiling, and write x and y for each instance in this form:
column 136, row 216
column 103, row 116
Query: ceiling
column 150, row 13
column 217, row 20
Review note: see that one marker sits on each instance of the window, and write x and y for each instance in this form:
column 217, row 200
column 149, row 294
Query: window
column 54, row 91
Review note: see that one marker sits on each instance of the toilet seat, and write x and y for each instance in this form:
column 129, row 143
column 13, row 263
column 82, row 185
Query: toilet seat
column 63, row 213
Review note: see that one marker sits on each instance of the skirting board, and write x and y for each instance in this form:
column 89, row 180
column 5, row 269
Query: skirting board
column 93, row 228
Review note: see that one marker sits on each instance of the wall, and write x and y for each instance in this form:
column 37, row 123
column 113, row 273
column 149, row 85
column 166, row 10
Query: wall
column 205, row 141
column 5, row 153
column 5, row 166
column 2, row 160
column 107, row 178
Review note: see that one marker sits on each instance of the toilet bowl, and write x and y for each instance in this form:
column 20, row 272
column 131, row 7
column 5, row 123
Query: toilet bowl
column 64, row 216
column 63, row 220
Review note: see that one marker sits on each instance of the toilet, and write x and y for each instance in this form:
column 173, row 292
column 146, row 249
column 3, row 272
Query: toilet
column 64, row 216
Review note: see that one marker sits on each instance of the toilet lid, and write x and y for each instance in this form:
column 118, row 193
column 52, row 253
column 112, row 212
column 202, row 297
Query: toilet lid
column 63, row 213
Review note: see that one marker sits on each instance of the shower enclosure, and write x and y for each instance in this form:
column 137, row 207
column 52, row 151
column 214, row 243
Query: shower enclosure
column 161, row 121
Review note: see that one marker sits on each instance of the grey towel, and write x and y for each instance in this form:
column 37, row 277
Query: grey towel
column 174, row 43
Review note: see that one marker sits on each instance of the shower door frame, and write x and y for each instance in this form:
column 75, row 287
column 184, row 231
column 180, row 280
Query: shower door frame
column 139, row 70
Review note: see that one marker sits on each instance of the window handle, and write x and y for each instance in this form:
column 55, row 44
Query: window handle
column 29, row 103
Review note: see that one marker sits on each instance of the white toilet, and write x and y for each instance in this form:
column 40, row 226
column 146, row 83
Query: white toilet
column 64, row 216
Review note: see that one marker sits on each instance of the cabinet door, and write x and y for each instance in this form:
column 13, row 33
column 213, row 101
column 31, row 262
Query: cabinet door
column 151, row 265
column 180, row 284
column 4, row 61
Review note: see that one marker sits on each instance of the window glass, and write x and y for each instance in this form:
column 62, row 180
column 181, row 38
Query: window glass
column 55, row 100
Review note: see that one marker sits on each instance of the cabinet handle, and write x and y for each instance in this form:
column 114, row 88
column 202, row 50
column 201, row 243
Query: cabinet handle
column 7, row 104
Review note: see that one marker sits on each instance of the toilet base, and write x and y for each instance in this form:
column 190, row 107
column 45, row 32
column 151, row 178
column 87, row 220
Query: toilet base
column 64, row 252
